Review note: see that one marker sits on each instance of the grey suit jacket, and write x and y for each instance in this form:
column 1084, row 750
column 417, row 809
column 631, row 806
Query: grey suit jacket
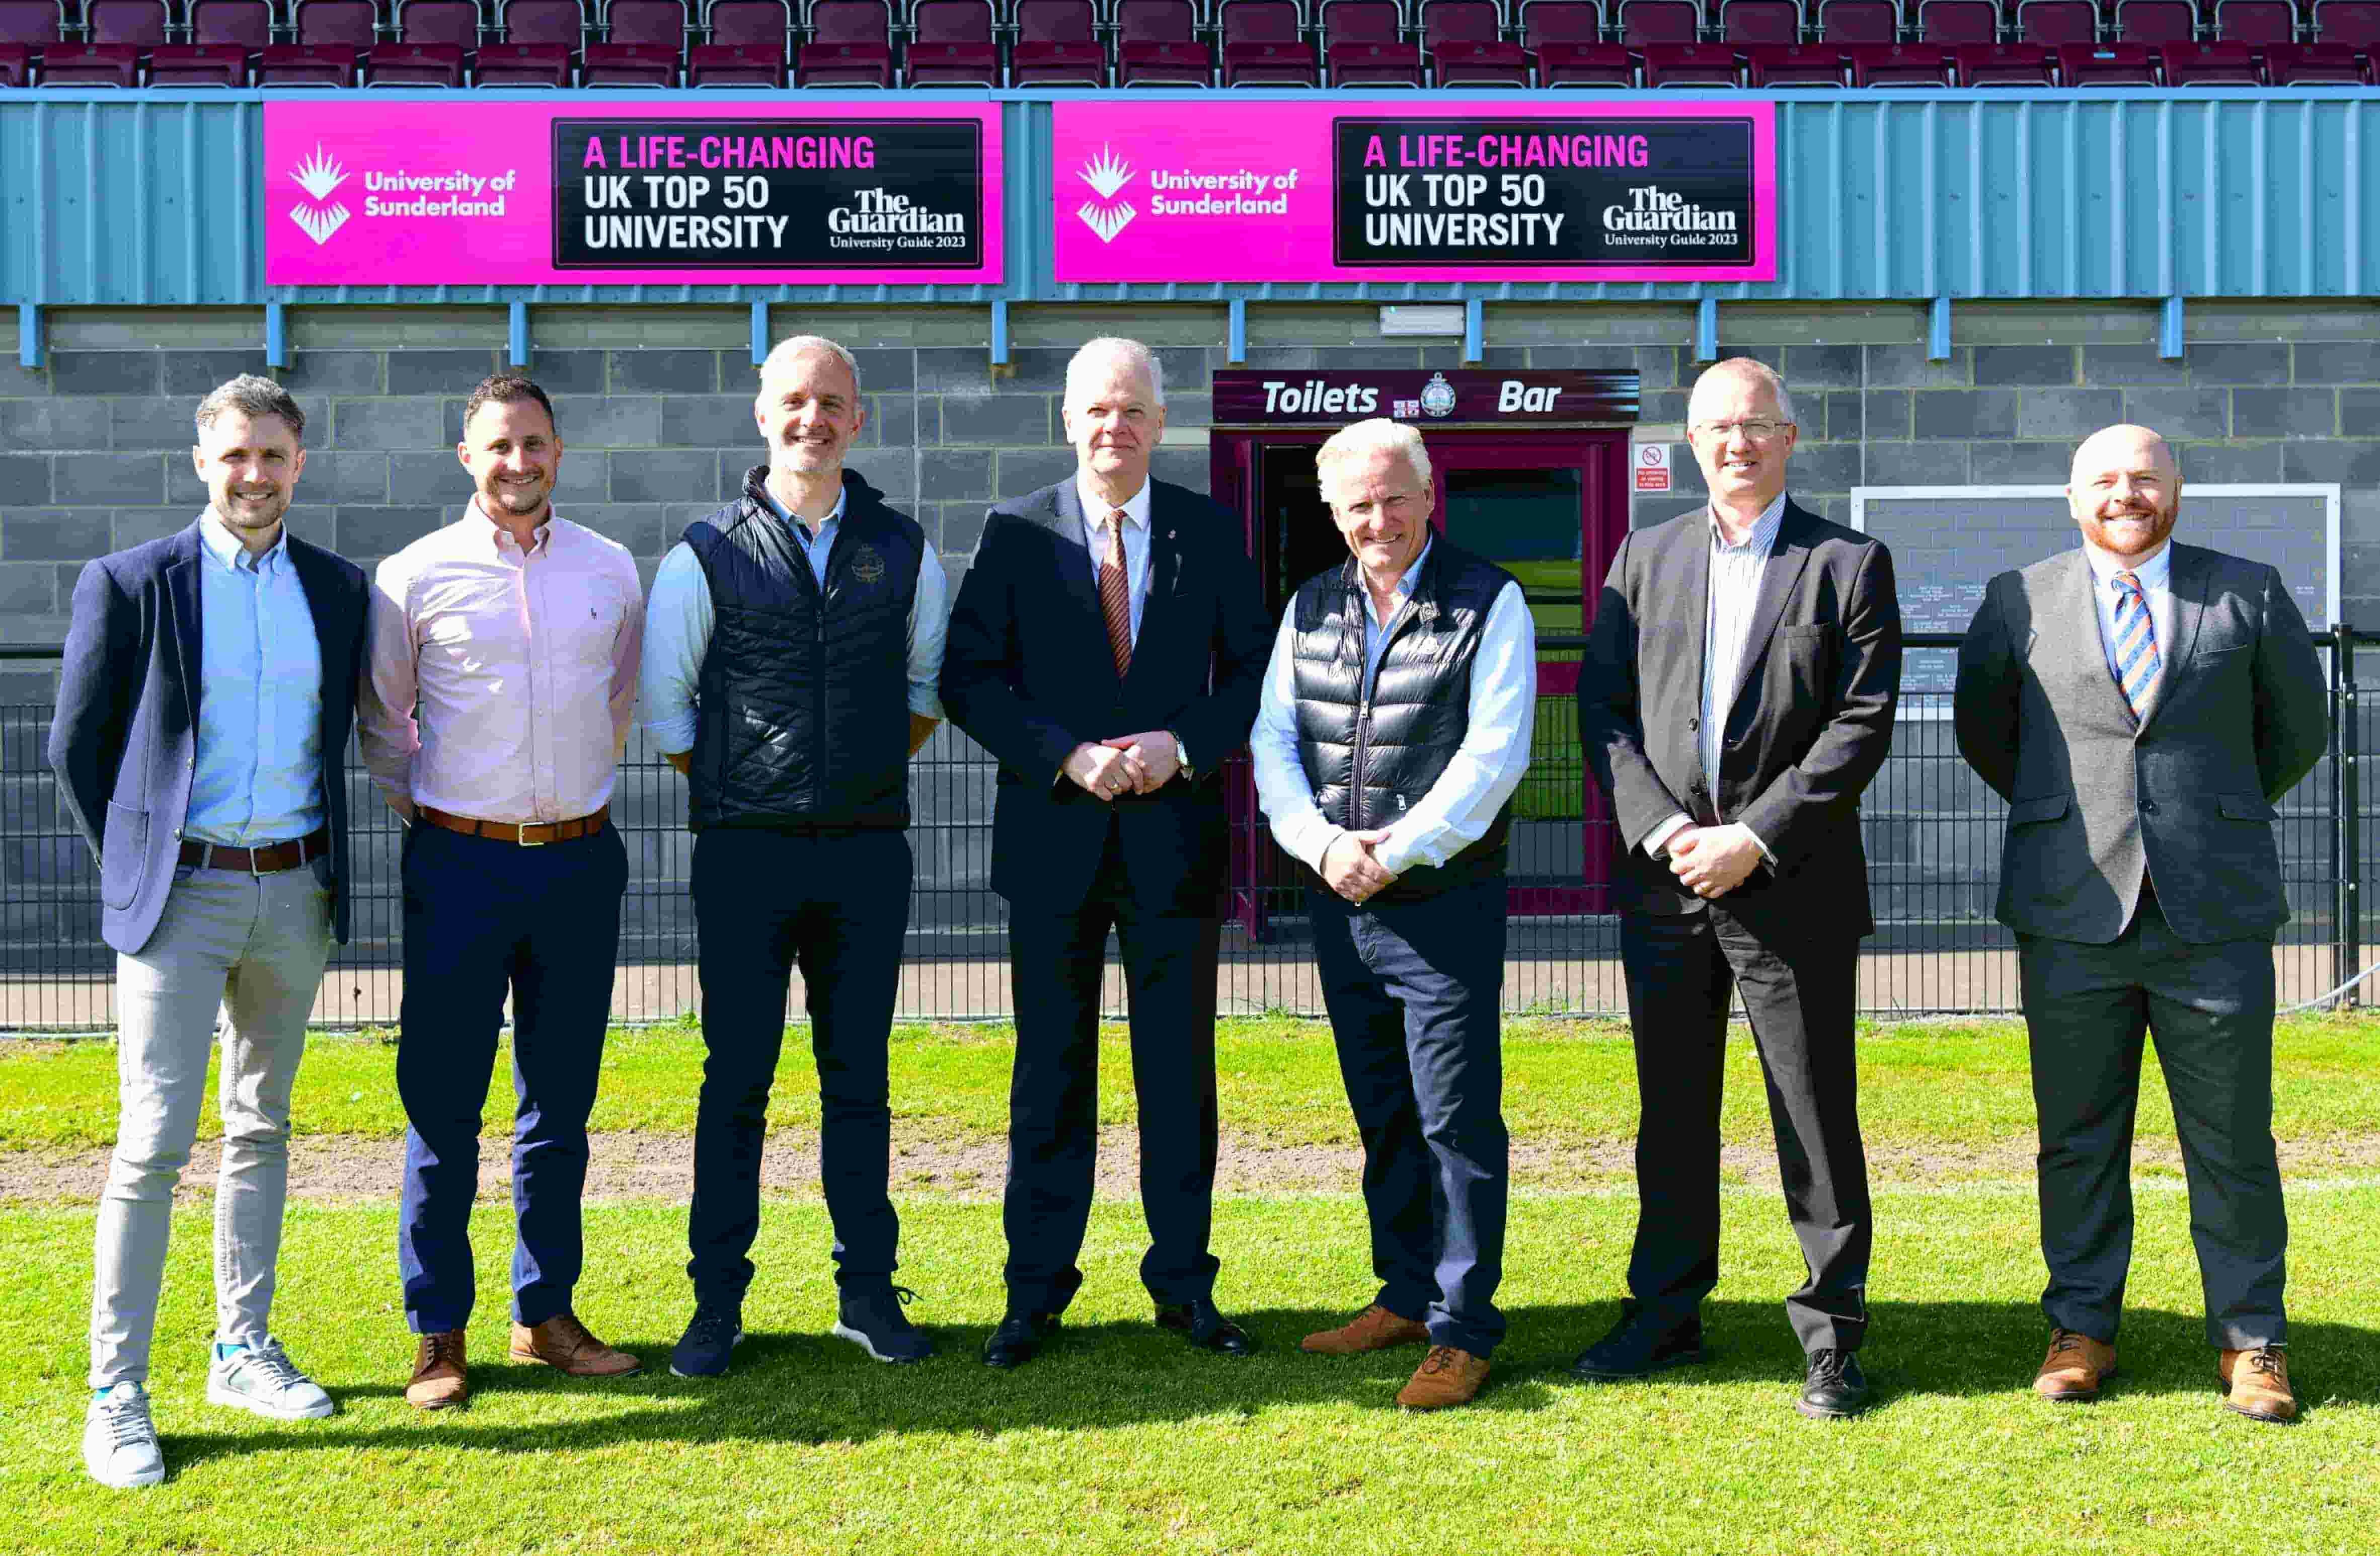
column 2185, row 797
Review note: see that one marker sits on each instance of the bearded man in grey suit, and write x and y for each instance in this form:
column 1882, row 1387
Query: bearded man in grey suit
column 2140, row 704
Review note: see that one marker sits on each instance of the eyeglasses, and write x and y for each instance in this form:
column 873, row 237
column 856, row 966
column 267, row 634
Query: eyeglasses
column 1759, row 430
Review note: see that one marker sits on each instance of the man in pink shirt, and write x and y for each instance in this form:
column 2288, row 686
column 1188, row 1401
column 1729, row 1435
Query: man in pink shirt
column 491, row 715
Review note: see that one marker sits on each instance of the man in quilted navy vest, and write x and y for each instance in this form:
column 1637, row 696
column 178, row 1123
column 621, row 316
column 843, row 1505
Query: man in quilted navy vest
column 1394, row 728
column 795, row 638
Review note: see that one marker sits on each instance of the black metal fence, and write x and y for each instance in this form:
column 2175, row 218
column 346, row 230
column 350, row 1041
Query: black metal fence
column 1933, row 834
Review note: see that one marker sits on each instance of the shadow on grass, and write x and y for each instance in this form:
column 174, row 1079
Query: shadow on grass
column 812, row 1389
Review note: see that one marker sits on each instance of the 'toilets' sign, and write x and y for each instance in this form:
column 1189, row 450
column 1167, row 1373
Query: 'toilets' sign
column 417, row 194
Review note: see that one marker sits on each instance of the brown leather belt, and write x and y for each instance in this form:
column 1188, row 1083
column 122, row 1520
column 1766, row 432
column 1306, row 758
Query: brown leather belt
column 529, row 834
column 271, row 860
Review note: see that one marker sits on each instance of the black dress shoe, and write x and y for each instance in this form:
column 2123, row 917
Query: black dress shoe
column 1206, row 1328
column 1836, row 1388
column 1635, row 1348
column 1018, row 1339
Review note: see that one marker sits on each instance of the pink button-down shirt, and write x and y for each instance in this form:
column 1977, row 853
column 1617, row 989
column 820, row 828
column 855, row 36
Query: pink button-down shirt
column 501, row 682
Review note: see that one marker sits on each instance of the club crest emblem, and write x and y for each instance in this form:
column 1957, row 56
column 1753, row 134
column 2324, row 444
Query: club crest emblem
column 1438, row 395
column 868, row 565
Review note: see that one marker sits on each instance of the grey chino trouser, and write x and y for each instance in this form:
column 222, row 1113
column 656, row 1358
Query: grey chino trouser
column 253, row 946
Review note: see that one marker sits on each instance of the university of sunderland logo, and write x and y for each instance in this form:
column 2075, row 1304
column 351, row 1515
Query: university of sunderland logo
column 319, row 175
column 1106, row 174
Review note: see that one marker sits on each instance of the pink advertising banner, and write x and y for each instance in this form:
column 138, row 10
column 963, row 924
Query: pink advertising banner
column 624, row 190
column 1379, row 189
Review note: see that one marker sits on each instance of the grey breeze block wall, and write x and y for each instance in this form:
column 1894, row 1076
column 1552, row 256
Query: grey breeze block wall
column 655, row 408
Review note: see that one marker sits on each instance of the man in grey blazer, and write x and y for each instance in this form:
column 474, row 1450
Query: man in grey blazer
column 2140, row 704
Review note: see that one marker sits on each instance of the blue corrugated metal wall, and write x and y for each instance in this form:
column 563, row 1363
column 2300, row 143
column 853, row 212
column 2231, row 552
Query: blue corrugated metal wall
column 152, row 198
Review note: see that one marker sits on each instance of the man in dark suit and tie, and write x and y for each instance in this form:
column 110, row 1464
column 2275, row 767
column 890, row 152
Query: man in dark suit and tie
column 2140, row 704
column 1106, row 646
column 200, row 745
column 1736, row 699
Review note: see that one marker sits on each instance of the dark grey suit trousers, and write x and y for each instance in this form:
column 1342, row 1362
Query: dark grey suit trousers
column 2211, row 1008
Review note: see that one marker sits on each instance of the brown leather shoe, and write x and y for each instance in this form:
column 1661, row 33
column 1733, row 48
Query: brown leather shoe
column 2074, row 1369
column 437, row 1381
column 1374, row 1329
column 2256, row 1383
column 1447, row 1376
column 564, row 1343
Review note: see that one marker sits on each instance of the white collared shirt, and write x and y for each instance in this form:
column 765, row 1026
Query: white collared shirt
column 1136, row 542
column 2155, row 577
column 1485, row 770
column 1733, row 594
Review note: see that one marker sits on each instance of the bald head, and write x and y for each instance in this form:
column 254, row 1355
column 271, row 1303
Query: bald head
column 2125, row 491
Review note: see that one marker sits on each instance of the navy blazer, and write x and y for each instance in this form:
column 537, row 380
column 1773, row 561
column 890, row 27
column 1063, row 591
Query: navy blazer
column 123, row 743
column 1027, row 672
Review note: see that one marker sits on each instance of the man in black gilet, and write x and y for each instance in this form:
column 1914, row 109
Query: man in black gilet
column 1394, row 728
column 795, row 638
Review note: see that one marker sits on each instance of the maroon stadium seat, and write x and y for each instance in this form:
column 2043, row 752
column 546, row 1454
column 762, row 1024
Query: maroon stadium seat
column 2314, row 65
column 435, row 40
column 1157, row 45
column 2106, row 65
column 1958, row 21
column 1858, row 21
column 1659, row 21
column 1897, row 65
column 747, row 45
column 1057, row 45
column 540, row 45
column 225, row 37
column 119, row 33
column 644, row 46
column 1263, row 45
column 1467, row 47
column 332, row 38
column 2345, row 30
column 1792, row 64
column 2257, row 21
column 850, row 45
column 26, row 27
column 1689, row 65
column 1364, row 44
column 1761, row 22
column 2058, row 22
column 2210, row 65
column 950, row 44
column 1567, row 38
column 2156, row 21
column 2004, row 65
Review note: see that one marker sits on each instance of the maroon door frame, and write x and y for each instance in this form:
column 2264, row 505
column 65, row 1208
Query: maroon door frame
column 1601, row 455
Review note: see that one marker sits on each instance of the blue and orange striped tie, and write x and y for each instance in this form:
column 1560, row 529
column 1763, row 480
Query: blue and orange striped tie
column 2137, row 663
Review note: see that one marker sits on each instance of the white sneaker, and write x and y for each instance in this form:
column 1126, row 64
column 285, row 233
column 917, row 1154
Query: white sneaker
column 262, row 1379
column 119, row 1440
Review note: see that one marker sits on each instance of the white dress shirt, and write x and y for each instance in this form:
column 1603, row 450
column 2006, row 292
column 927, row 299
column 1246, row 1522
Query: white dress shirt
column 1480, row 778
column 2155, row 577
column 678, row 620
column 1733, row 594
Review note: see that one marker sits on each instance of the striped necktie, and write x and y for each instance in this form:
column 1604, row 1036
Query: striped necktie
column 2137, row 663
column 1115, row 594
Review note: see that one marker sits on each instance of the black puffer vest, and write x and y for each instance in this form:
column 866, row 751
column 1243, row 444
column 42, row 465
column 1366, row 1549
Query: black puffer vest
column 804, row 695
column 1370, row 764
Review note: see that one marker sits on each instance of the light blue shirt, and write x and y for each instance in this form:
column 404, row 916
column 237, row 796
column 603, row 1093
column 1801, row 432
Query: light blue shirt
column 1376, row 638
column 1135, row 542
column 2155, row 577
column 260, row 761
column 678, row 619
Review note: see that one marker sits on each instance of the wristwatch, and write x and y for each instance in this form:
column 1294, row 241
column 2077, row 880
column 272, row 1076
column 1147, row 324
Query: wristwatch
column 1182, row 757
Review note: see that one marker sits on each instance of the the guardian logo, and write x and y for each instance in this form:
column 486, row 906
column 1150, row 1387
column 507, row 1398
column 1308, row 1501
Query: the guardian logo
column 1651, row 208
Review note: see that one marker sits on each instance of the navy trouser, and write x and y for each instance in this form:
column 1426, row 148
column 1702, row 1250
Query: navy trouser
column 1413, row 989
column 838, row 905
column 482, row 918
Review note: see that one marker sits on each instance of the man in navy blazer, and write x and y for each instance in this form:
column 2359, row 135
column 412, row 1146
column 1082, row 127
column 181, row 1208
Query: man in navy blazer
column 200, row 745
column 1107, row 647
